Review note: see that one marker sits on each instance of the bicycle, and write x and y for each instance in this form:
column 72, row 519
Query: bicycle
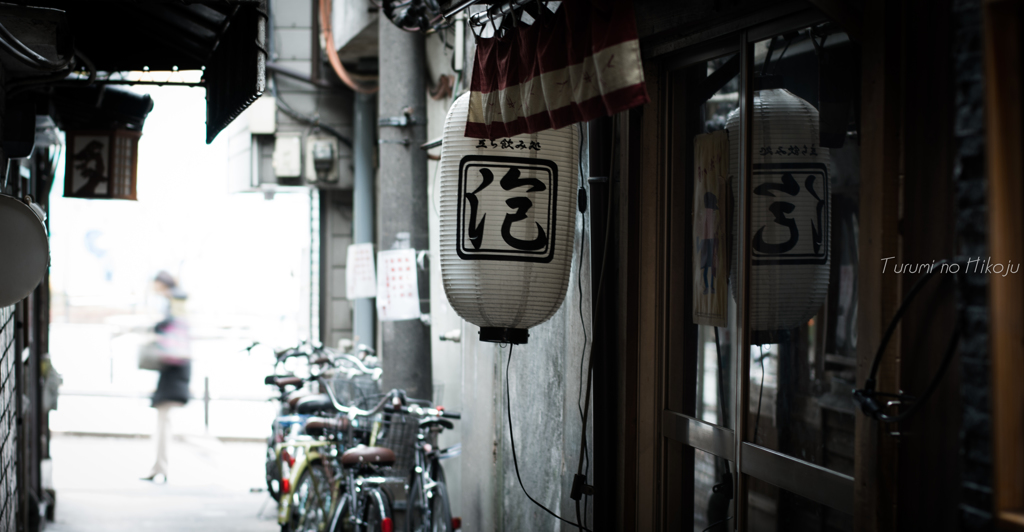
column 346, row 486
column 428, row 508
column 287, row 421
column 363, row 505
column 315, row 477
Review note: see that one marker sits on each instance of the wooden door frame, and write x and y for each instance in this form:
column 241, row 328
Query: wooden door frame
column 875, row 453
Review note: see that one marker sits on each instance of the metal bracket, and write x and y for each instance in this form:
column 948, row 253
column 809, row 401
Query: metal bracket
column 403, row 142
column 407, row 119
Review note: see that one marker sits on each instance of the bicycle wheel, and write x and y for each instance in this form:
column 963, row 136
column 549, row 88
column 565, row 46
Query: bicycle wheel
column 417, row 507
column 273, row 471
column 376, row 507
column 311, row 502
column 428, row 511
column 344, row 521
column 440, row 509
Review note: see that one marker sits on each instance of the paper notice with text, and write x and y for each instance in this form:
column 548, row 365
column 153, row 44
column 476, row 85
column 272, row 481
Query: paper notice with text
column 398, row 294
column 360, row 274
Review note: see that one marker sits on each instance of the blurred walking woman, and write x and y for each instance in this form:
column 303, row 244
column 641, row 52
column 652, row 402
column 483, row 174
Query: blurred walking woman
column 174, row 365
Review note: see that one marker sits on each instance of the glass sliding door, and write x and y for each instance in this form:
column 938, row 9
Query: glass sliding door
column 773, row 367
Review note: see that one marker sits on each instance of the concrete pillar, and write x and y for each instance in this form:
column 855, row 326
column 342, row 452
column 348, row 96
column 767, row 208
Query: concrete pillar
column 402, row 196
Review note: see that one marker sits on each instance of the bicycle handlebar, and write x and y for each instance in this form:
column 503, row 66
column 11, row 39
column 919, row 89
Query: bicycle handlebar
column 281, row 382
column 351, row 411
column 375, row 372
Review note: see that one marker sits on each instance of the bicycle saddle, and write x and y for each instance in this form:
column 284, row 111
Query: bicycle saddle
column 312, row 404
column 362, row 454
column 294, row 397
column 318, row 426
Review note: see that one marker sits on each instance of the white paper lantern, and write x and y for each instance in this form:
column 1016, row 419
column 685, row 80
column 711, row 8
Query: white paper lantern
column 507, row 225
column 25, row 248
column 790, row 206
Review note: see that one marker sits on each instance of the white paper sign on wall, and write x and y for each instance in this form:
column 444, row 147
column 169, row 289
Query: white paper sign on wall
column 360, row 273
column 398, row 294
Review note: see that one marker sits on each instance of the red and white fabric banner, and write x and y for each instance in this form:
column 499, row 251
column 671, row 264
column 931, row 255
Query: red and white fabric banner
column 580, row 63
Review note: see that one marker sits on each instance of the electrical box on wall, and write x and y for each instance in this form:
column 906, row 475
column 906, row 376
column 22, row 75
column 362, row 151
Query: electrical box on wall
column 328, row 164
column 288, row 156
column 322, row 160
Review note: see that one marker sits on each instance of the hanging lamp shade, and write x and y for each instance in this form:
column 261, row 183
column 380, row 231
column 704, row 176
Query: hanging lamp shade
column 507, row 225
column 790, row 204
column 25, row 248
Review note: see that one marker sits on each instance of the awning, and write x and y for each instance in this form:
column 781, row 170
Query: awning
column 577, row 64
column 226, row 39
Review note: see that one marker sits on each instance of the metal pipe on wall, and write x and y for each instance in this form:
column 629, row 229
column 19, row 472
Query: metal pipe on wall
column 363, row 208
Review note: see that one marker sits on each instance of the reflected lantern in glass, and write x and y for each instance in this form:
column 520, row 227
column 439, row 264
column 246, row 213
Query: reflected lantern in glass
column 789, row 211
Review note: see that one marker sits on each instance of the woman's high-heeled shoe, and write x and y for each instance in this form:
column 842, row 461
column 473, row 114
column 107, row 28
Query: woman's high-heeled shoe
column 152, row 478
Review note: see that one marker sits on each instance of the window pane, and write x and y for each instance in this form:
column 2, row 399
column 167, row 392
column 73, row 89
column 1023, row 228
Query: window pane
column 715, row 374
column 773, row 509
column 803, row 247
column 711, row 504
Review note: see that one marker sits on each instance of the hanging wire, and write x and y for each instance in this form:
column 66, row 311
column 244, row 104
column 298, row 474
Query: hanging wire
column 583, row 324
column 17, row 87
column 281, row 104
column 600, row 291
column 867, row 397
column 512, row 438
column 28, row 56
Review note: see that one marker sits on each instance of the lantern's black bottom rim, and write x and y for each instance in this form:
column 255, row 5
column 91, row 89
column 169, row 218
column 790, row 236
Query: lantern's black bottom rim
column 504, row 335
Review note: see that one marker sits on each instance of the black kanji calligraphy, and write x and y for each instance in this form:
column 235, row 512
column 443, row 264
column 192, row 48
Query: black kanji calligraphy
column 816, row 230
column 779, row 209
column 476, row 230
column 522, row 204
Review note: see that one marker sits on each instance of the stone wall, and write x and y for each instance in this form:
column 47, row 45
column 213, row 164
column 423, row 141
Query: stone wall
column 972, row 233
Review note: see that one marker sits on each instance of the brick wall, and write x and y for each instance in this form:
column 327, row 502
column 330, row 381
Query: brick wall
column 972, row 213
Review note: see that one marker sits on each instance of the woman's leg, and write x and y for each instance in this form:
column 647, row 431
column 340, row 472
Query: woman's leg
column 163, row 435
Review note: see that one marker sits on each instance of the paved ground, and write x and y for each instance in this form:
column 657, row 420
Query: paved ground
column 98, row 487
